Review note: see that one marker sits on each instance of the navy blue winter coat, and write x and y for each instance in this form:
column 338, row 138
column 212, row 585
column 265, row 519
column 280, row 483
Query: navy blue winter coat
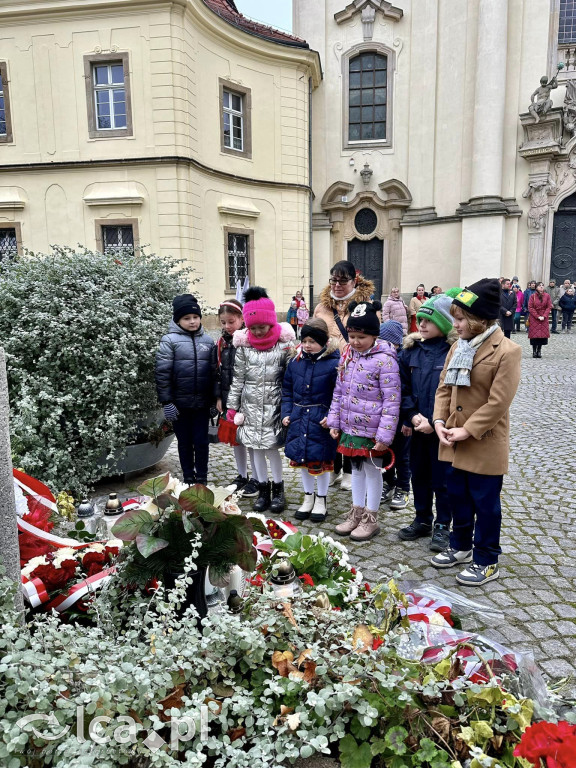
column 568, row 302
column 421, row 363
column 185, row 368
column 307, row 392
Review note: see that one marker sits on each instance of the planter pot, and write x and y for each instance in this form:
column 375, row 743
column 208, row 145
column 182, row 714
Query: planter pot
column 195, row 592
column 136, row 458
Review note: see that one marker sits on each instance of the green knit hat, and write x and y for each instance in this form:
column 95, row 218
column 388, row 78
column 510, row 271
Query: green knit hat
column 437, row 310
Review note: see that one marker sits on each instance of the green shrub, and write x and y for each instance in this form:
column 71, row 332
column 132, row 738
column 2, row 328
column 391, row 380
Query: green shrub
column 80, row 330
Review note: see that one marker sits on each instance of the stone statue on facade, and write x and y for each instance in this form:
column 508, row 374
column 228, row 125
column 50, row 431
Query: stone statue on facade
column 540, row 101
column 538, row 191
column 569, row 108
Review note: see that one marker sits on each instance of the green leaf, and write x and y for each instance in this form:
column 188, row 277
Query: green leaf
column 200, row 500
column 396, row 738
column 257, row 525
column 247, row 560
column 210, row 514
column 155, row 486
column 187, row 523
column 378, row 747
column 361, row 732
column 147, row 545
column 132, row 523
column 80, row 526
column 353, row 755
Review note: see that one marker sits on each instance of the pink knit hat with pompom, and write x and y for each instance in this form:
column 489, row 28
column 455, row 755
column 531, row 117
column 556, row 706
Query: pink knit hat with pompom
column 258, row 308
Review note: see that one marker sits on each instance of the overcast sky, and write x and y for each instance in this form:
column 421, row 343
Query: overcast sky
column 277, row 13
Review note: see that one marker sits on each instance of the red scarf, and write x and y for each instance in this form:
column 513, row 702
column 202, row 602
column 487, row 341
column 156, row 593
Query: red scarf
column 266, row 342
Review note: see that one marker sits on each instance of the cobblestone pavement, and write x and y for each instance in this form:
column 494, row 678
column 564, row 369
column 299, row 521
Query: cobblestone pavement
column 536, row 590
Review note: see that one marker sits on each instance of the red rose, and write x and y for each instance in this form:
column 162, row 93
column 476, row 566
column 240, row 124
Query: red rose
column 307, row 579
column 151, row 586
column 112, row 552
column 367, row 587
column 256, row 581
column 93, row 562
column 353, row 571
column 55, row 578
column 376, row 643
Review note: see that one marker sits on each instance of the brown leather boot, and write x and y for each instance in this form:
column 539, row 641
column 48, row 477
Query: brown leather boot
column 368, row 527
column 351, row 522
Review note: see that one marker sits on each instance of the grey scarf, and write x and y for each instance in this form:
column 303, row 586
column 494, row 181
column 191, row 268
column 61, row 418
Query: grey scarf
column 460, row 365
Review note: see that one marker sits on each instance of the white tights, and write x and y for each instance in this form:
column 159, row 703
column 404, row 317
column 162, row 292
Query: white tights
column 367, row 484
column 241, row 455
column 260, row 467
column 322, row 482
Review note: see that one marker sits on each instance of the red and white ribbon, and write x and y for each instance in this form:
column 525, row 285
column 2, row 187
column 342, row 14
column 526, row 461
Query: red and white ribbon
column 34, row 591
column 80, row 590
column 34, row 488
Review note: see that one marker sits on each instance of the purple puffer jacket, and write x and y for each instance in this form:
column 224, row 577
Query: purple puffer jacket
column 366, row 399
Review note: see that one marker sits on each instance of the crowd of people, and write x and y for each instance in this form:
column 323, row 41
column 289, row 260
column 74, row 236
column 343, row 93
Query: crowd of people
column 372, row 399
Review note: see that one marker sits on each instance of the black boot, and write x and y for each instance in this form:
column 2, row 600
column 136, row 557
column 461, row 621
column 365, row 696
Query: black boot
column 278, row 498
column 534, row 353
column 539, row 351
column 262, row 503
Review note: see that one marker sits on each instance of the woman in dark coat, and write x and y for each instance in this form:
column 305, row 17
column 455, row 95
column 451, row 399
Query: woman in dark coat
column 507, row 308
column 307, row 392
column 539, row 307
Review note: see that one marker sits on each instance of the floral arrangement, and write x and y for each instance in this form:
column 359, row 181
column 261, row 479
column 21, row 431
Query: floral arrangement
column 81, row 366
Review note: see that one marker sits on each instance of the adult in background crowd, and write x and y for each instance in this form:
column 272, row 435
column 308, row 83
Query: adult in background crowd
column 554, row 292
column 568, row 305
column 519, row 305
column 507, row 307
column 539, row 307
column 395, row 309
column 528, row 293
column 344, row 286
column 564, row 287
column 415, row 303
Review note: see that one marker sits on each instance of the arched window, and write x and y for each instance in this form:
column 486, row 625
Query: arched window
column 367, row 102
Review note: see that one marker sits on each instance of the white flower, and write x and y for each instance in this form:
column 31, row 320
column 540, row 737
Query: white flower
column 33, row 564
column 114, row 543
column 65, row 553
column 230, row 508
column 95, row 548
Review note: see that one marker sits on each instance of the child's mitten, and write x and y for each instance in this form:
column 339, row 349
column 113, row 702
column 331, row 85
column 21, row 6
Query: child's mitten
column 171, row 413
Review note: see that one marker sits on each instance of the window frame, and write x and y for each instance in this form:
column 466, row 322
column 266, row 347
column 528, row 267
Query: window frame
column 90, row 61
column 17, row 227
column 99, row 223
column 357, row 50
column 8, row 137
column 249, row 233
column 246, row 95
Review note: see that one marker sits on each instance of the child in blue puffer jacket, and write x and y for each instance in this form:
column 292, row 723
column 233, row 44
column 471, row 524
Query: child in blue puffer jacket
column 307, row 392
column 185, row 371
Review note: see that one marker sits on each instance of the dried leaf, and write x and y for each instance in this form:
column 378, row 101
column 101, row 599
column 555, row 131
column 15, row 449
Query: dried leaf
column 287, row 611
column 282, row 661
column 173, row 699
column 362, row 639
column 236, row 733
column 442, row 726
column 216, row 711
column 293, row 721
column 284, row 711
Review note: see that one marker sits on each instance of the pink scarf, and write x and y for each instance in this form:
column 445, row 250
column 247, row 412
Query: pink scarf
column 266, row 342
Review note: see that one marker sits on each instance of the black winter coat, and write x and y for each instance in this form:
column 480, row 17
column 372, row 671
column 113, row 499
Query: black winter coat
column 568, row 302
column 420, row 363
column 307, row 392
column 185, row 368
column 224, row 353
column 507, row 304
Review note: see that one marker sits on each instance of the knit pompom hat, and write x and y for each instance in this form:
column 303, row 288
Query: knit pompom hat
column 392, row 331
column 186, row 304
column 437, row 310
column 258, row 308
column 481, row 299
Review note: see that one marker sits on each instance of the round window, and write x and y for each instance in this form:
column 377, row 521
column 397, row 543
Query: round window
column 365, row 221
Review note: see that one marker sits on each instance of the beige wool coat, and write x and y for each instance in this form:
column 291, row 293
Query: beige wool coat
column 482, row 408
column 326, row 306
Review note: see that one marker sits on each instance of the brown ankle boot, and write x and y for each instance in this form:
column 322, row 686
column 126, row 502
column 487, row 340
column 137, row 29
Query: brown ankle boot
column 368, row 526
column 351, row 522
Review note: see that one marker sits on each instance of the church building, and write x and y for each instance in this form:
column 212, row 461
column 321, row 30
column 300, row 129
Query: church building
column 427, row 165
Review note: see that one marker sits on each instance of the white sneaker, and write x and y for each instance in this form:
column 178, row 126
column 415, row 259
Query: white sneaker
column 451, row 557
column 319, row 512
column 346, row 483
column 335, row 477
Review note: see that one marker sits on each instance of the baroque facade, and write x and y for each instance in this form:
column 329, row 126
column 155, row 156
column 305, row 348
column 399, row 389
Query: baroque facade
column 427, row 165
column 177, row 124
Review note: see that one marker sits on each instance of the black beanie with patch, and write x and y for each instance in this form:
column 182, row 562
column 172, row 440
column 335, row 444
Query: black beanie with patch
column 481, row 299
column 363, row 317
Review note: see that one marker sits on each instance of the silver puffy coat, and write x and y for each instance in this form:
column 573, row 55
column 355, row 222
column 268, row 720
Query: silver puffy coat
column 256, row 390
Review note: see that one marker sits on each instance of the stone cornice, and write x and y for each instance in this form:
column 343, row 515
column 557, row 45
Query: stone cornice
column 19, row 11
column 388, row 10
column 154, row 161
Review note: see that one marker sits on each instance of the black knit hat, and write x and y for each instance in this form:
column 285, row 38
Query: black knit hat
column 186, row 304
column 363, row 317
column 481, row 299
column 319, row 335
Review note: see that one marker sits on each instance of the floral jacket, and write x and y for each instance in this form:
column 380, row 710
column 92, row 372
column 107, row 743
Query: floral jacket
column 366, row 399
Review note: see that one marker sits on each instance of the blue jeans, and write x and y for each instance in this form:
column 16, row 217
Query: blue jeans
column 477, row 514
column 191, row 429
